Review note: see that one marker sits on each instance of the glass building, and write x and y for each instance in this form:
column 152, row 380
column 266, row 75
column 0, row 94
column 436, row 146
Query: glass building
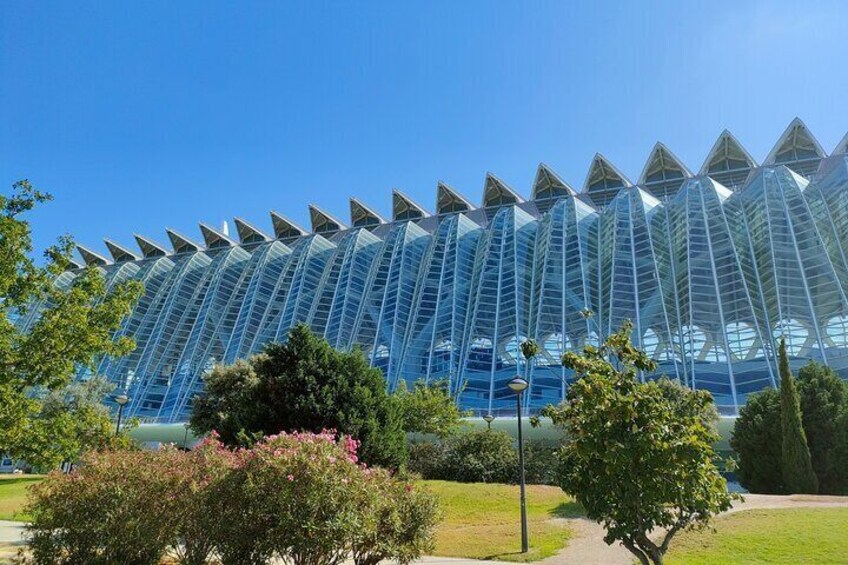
column 711, row 267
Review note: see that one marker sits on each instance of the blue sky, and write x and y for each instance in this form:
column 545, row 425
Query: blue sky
column 138, row 116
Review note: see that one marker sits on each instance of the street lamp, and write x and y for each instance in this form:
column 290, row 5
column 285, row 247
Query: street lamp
column 518, row 386
column 185, row 437
column 488, row 418
column 121, row 400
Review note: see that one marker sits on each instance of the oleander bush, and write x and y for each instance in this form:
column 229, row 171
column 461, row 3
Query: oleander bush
column 304, row 498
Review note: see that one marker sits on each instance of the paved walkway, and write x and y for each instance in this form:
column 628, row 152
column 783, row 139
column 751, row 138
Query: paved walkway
column 586, row 546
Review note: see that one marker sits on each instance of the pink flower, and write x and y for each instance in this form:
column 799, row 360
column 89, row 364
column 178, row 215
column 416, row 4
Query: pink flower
column 290, row 477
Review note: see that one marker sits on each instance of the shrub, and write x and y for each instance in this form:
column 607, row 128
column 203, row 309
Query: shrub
column 427, row 459
column 541, row 462
column 756, row 439
column 116, row 507
column 400, row 521
column 480, row 456
column 797, row 467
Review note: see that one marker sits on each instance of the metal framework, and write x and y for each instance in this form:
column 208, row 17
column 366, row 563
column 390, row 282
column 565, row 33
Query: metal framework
column 711, row 269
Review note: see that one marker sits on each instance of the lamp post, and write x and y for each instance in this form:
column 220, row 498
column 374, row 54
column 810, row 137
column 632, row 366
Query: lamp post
column 121, row 400
column 518, row 386
column 185, row 436
column 488, row 418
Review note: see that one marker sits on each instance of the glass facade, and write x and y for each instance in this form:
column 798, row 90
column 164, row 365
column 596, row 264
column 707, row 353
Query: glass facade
column 711, row 268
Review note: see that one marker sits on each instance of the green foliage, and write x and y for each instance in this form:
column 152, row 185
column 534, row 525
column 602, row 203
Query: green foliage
column 429, row 409
column 637, row 456
column 824, row 398
column 75, row 326
column 541, row 463
column 796, row 466
column 530, row 348
column 427, row 459
column 480, row 456
column 303, row 384
column 757, row 440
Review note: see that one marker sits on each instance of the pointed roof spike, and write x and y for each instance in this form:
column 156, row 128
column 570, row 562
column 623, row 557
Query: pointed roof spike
column 149, row 248
column 361, row 216
column 322, row 222
column 497, row 193
column 448, row 200
column 91, row 258
column 548, row 184
column 247, row 233
column 213, row 238
column 73, row 264
column 180, row 243
column 404, row 208
column 285, row 229
column 604, row 180
column 119, row 252
column 842, row 146
column 662, row 165
column 796, row 144
column 727, row 154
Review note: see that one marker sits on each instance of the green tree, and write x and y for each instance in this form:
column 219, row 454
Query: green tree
column 303, row 384
column 637, row 456
column 823, row 397
column 796, row 466
column 480, row 456
column 429, row 409
column 75, row 325
column 757, row 441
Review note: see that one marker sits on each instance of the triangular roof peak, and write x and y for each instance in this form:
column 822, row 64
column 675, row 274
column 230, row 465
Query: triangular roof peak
column 119, row 252
column 213, row 238
column 285, row 229
column 74, row 264
column 247, row 233
column 91, row 257
column 497, row 193
column 727, row 154
column 548, row 184
column 604, row 180
column 181, row 243
column 796, row 144
column 449, row 200
column 404, row 208
column 322, row 222
column 361, row 216
column 662, row 165
column 149, row 248
column 842, row 146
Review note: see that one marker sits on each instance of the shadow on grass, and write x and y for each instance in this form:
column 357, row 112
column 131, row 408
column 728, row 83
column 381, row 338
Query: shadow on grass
column 18, row 480
column 568, row 510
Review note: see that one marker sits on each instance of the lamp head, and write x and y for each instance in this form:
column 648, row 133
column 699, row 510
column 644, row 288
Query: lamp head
column 518, row 385
column 122, row 399
column 488, row 418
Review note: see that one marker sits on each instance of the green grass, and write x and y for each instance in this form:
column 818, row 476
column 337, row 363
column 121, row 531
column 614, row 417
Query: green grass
column 791, row 536
column 482, row 521
column 13, row 493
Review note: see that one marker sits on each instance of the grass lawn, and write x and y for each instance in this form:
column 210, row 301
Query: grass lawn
column 482, row 521
column 791, row 536
column 13, row 495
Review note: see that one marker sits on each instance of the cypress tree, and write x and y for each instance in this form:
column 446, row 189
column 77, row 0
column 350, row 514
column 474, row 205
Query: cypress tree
column 797, row 467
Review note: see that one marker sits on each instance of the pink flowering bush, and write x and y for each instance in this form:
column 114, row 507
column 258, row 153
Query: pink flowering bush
column 302, row 497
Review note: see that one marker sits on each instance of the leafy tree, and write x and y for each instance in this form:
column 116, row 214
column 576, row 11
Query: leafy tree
column 823, row 397
column 429, row 409
column 757, row 441
column 796, row 466
column 637, row 456
column 75, row 324
column 303, row 384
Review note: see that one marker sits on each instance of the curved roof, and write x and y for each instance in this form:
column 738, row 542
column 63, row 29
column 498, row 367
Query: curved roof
column 548, row 184
column 448, row 200
column 404, row 208
column 663, row 173
column 797, row 148
column 728, row 162
column 119, row 252
column 285, row 229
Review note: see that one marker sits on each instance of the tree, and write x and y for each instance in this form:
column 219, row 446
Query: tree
column 637, row 456
column 429, row 409
column 796, row 465
column 74, row 326
column 303, row 384
column 757, row 441
column 823, row 396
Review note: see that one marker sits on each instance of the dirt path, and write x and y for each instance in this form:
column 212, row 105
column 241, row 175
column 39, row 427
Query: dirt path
column 587, row 547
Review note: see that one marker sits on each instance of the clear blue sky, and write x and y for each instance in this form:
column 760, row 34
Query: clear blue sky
column 142, row 115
